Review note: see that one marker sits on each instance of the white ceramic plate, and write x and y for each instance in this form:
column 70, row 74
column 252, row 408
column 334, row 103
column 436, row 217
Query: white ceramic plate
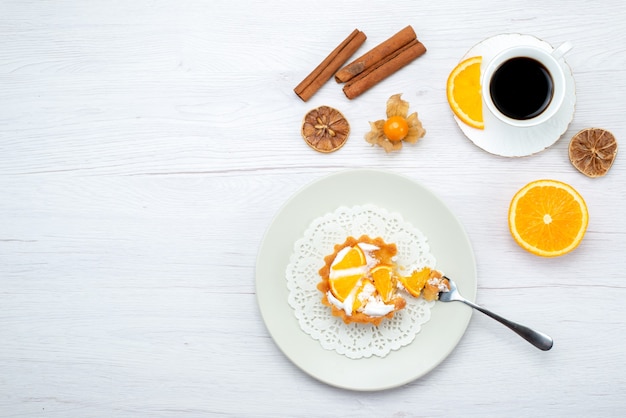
column 498, row 137
column 448, row 242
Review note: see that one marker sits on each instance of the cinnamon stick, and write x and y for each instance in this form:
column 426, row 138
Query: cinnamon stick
column 375, row 55
column 333, row 62
column 383, row 69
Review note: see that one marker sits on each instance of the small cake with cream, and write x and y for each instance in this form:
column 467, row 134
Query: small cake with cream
column 361, row 283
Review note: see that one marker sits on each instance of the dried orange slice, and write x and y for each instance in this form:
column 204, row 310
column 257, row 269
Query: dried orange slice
column 384, row 281
column 341, row 287
column 592, row 151
column 416, row 281
column 353, row 258
column 463, row 92
column 325, row 129
column 548, row 218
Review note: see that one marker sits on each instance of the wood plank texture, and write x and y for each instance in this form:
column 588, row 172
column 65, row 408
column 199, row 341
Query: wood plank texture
column 145, row 147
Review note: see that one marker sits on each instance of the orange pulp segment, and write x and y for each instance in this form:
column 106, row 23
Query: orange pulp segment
column 353, row 258
column 358, row 302
column 416, row 281
column 384, row 281
column 341, row 287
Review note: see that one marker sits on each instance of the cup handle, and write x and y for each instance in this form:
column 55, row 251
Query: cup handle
column 561, row 50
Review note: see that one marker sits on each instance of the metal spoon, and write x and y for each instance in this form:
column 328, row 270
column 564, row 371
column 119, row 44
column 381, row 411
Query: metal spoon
column 536, row 338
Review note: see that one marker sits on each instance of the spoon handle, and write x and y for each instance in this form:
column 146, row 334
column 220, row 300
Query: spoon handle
column 536, row 338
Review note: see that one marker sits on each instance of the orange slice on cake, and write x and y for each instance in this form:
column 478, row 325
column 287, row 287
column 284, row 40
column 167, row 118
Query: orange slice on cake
column 345, row 272
column 353, row 258
column 384, row 281
column 416, row 281
column 342, row 287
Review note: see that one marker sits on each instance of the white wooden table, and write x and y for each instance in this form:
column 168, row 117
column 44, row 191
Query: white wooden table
column 146, row 146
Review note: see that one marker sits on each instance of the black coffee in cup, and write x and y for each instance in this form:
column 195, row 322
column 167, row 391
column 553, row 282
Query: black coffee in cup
column 521, row 88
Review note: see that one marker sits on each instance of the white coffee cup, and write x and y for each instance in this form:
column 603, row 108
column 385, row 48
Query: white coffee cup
column 549, row 60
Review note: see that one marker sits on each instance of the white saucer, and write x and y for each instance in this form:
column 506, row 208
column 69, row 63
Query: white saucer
column 501, row 139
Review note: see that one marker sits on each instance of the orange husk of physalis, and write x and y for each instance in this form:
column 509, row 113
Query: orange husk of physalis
column 396, row 108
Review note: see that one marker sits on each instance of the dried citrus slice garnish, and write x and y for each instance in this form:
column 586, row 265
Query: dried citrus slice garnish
column 463, row 92
column 548, row 218
column 592, row 151
column 384, row 281
column 416, row 281
column 325, row 129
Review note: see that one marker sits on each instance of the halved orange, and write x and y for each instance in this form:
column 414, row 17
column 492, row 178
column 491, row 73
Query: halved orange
column 463, row 92
column 548, row 218
column 353, row 258
column 384, row 281
column 416, row 281
column 341, row 287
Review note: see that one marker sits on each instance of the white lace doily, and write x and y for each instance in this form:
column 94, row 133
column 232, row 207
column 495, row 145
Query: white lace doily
column 356, row 340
